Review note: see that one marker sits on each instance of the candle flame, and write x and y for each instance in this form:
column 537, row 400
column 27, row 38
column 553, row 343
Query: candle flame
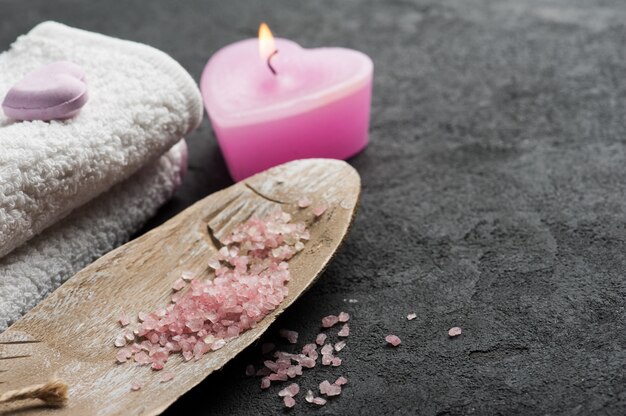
column 266, row 42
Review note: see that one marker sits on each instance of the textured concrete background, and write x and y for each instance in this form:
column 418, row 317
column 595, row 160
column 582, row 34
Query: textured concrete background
column 493, row 198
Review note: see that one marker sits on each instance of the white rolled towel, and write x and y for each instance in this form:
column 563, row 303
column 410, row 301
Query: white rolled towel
column 141, row 102
column 35, row 269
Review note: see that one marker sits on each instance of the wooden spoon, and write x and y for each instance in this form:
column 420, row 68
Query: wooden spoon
column 71, row 333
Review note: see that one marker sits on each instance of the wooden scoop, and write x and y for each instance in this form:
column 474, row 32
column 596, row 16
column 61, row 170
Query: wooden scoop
column 70, row 334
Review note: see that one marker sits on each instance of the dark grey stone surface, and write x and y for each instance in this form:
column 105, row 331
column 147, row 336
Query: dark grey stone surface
column 493, row 198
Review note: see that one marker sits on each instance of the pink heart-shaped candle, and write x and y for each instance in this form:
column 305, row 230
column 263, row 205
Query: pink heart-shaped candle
column 316, row 105
column 52, row 92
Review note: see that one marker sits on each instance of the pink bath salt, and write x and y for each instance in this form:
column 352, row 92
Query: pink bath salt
column 123, row 320
column 327, row 359
column 455, row 331
column 307, row 362
column 319, row 401
column 327, row 349
column 129, row 335
column 329, row 321
column 120, row 341
column 178, row 284
column 250, row 371
column 291, row 336
column 333, row 390
column 123, row 355
column 309, row 396
column 291, row 390
column 267, row 347
column 265, row 383
column 324, row 385
column 136, row 386
column 167, row 376
column 393, row 340
column 319, row 210
column 336, row 362
column 251, row 274
column 278, row 377
column 308, row 348
column 304, row 202
column 289, row 401
column 341, row 381
column 264, row 371
column 142, row 358
column 344, row 317
column 321, row 339
column 340, row 345
column 411, row 316
column 186, row 276
column 345, row 331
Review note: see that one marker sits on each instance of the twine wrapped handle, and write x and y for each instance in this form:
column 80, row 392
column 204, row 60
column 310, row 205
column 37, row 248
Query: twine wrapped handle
column 53, row 393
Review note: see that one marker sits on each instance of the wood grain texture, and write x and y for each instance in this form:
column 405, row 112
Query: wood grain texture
column 71, row 333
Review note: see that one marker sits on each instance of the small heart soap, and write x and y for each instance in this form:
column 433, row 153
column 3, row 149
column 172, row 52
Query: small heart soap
column 53, row 92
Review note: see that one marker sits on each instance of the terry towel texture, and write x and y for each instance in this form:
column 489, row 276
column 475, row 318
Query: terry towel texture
column 38, row 267
column 141, row 103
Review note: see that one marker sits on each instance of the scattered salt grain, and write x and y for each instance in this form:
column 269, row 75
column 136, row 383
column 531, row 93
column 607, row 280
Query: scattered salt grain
column 167, row 376
column 319, row 210
column 291, row 336
column 345, row 331
column 304, row 202
column 250, row 371
column 336, row 362
column 455, row 331
column 289, row 401
column 329, row 321
column 340, row 345
column 186, row 276
column 321, row 339
column 393, row 340
column 265, row 382
column 309, row 396
column 341, row 381
column 136, row 386
column 344, row 317
column 319, row 401
column 291, row 390
column 329, row 389
column 178, row 284
column 123, row 320
column 411, row 316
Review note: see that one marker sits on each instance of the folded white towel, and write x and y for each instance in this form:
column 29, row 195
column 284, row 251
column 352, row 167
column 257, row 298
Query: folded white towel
column 141, row 103
column 38, row 267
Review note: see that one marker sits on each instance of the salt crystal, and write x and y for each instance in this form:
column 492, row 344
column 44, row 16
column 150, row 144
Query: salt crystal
column 324, row 385
column 304, row 202
column 123, row 320
column 264, row 372
column 250, row 371
column 123, row 355
column 336, row 362
column 120, row 341
column 333, row 390
column 319, row 401
column 289, row 401
column 309, row 396
column 136, row 386
column 329, row 321
column 319, row 210
column 341, row 381
column 291, row 336
column 265, row 382
column 308, row 348
column 344, row 317
column 393, row 340
column 327, row 349
column 345, row 331
column 321, row 339
column 411, row 316
column 186, row 276
column 291, row 390
column 327, row 359
column 455, row 331
column 178, row 284
column 340, row 345
column 167, row 376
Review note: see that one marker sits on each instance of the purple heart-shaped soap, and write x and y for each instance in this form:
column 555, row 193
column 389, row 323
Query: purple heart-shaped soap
column 53, row 92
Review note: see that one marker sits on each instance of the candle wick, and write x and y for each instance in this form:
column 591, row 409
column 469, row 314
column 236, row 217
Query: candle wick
column 269, row 61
